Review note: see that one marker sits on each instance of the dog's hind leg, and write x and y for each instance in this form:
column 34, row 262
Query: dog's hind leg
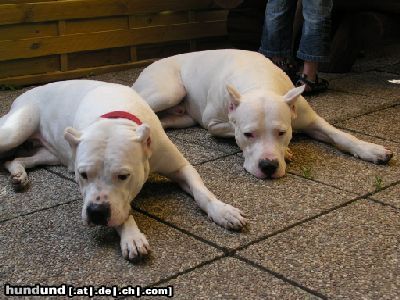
column 17, row 126
column 160, row 85
column 176, row 117
column 17, row 167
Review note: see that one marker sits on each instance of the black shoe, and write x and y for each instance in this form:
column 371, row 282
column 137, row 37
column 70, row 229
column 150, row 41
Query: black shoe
column 312, row 87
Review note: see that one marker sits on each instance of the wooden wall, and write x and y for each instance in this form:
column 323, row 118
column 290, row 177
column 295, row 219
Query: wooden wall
column 48, row 40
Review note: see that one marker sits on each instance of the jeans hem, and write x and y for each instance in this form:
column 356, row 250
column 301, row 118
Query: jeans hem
column 313, row 58
column 268, row 53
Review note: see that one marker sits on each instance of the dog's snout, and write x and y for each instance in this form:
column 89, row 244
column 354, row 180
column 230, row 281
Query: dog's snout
column 98, row 214
column 101, row 197
column 268, row 166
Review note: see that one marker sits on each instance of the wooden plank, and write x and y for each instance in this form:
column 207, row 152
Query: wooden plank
column 24, row 1
column 79, row 73
column 164, row 50
column 110, row 39
column 157, row 19
column 78, row 9
column 132, row 49
column 98, row 58
column 95, row 25
column 63, row 57
column 27, row 30
column 209, row 15
column 37, row 65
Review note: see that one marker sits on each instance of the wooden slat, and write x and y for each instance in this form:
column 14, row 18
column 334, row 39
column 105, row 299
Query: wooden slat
column 79, row 73
column 24, row 1
column 110, row 39
column 76, row 9
column 28, row 66
column 28, row 30
column 103, row 57
column 157, row 19
column 159, row 51
column 63, row 57
column 95, row 25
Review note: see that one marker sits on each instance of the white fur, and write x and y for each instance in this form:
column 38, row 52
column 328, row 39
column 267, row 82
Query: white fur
column 233, row 92
column 65, row 118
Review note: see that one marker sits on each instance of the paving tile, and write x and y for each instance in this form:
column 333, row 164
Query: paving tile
column 326, row 164
column 390, row 195
column 270, row 204
column 391, row 68
column 379, row 57
column 61, row 171
column 201, row 136
column 195, row 153
column 384, row 124
column 45, row 190
column 230, row 278
column 8, row 97
column 335, row 105
column 351, row 253
column 53, row 247
column 371, row 84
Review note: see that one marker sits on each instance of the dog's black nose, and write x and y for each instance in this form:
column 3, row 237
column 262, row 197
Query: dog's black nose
column 98, row 214
column 268, row 166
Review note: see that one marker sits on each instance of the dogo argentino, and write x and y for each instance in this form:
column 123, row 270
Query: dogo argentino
column 242, row 94
column 115, row 142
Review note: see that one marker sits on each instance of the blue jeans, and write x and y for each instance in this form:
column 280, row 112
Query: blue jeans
column 314, row 45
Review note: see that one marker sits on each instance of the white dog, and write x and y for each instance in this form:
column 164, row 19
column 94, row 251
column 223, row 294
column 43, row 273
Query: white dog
column 115, row 142
column 242, row 94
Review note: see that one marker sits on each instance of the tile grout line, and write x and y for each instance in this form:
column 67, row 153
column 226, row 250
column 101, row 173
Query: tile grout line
column 60, row 175
column 383, row 203
column 38, row 210
column 280, row 276
column 182, row 230
column 298, row 223
column 323, row 183
column 208, row 148
column 216, row 158
column 369, row 112
column 188, row 270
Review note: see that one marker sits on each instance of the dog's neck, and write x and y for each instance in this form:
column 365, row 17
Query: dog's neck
column 122, row 115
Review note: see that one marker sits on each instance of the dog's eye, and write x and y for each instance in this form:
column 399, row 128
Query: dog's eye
column 83, row 175
column 123, row 176
column 248, row 134
column 282, row 133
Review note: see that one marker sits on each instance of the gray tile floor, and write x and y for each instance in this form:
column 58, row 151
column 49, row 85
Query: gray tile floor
column 329, row 229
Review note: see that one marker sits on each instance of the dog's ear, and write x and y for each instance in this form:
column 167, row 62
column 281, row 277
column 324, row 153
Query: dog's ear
column 72, row 136
column 291, row 97
column 234, row 97
column 143, row 136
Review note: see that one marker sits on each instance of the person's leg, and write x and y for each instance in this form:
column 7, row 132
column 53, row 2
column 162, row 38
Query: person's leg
column 276, row 39
column 315, row 40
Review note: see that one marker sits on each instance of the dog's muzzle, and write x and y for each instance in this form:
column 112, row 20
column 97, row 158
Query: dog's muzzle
column 98, row 214
column 268, row 166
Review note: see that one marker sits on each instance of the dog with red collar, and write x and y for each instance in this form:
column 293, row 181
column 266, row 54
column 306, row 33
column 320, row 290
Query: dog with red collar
column 112, row 140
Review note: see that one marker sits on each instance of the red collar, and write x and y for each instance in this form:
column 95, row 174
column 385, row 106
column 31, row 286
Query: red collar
column 122, row 115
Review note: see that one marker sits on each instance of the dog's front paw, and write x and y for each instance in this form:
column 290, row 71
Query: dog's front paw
column 19, row 180
column 226, row 215
column 374, row 153
column 134, row 245
column 288, row 155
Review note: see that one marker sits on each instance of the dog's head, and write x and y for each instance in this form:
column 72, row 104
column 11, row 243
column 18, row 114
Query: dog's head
column 263, row 128
column 111, row 166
